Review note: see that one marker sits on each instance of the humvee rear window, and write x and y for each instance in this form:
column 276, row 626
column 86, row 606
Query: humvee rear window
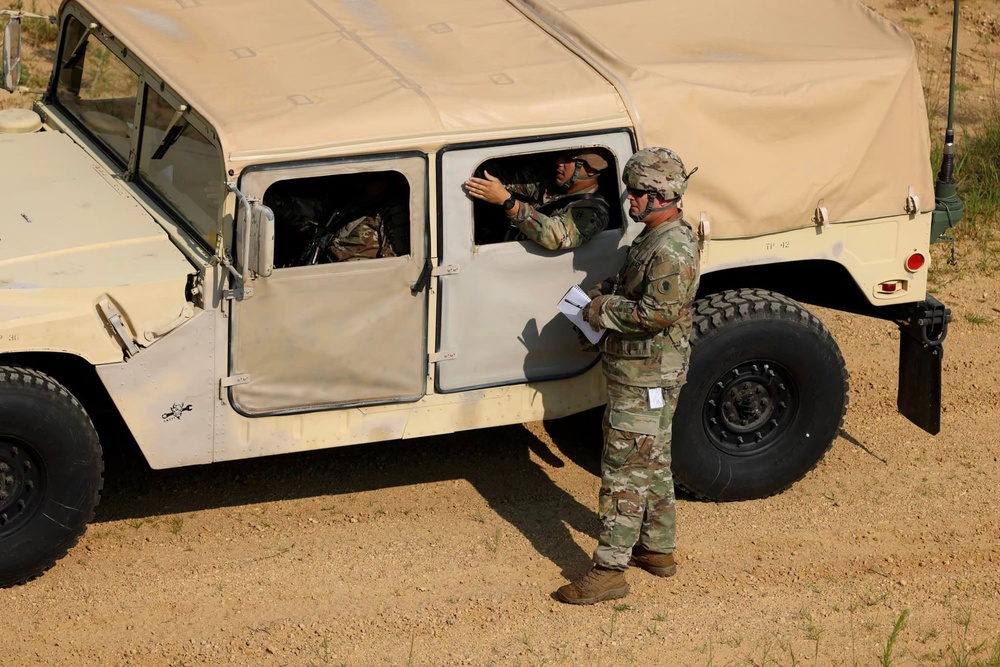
column 97, row 88
column 340, row 218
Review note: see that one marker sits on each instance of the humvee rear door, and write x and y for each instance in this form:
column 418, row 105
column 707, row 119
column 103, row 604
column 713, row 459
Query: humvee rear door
column 498, row 319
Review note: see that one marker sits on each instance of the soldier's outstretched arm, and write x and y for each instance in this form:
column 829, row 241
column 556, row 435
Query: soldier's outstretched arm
column 569, row 228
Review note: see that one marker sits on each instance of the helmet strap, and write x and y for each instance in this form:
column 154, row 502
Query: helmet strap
column 651, row 208
column 578, row 173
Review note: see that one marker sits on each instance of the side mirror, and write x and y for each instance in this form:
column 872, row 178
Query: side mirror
column 12, row 54
column 255, row 240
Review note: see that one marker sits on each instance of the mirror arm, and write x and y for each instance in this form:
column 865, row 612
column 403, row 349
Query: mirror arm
column 15, row 14
column 248, row 216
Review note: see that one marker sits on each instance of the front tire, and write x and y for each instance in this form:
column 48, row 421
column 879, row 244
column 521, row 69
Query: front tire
column 51, row 473
column 765, row 398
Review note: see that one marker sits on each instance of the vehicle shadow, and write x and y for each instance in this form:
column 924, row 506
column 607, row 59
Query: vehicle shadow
column 579, row 439
column 497, row 462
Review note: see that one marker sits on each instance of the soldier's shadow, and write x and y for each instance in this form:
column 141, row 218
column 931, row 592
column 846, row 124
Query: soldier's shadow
column 525, row 496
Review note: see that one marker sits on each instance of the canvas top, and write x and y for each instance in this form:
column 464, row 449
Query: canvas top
column 784, row 105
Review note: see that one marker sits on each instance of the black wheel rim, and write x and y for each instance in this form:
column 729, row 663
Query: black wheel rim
column 21, row 484
column 750, row 407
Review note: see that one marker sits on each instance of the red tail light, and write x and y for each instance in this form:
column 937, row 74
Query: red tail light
column 915, row 262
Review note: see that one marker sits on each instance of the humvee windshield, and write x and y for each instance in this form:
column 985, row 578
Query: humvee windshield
column 98, row 89
column 176, row 162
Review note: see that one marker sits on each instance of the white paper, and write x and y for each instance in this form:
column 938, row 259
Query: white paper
column 655, row 398
column 572, row 305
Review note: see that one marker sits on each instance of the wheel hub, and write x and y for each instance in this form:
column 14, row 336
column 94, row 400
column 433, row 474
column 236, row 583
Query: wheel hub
column 749, row 407
column 20, row 483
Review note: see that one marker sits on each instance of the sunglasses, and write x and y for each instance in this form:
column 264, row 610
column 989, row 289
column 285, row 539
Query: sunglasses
column 636, row 194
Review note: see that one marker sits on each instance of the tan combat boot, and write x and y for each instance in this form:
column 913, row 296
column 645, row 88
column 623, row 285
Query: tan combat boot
column 596, row 586
column 662, row 565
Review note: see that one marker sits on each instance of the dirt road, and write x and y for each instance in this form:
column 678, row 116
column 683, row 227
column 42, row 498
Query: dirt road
column 445, row 551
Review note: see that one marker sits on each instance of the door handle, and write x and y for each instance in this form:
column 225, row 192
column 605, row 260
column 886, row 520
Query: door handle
column 423, row 280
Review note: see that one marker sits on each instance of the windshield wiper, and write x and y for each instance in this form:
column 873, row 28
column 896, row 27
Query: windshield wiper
column 171, row 134
column 74, row 57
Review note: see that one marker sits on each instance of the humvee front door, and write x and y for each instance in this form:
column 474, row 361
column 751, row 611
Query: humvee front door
column 336, row 324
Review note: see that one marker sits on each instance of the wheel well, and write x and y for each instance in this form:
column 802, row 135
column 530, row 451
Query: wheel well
column 818, row 282
column 80, row 378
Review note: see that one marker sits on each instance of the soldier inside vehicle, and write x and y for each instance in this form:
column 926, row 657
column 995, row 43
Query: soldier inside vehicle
column 536, row 179
column 339, row 218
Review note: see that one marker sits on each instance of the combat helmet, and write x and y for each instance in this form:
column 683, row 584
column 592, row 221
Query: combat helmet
column 592, row 157
column 657, row 170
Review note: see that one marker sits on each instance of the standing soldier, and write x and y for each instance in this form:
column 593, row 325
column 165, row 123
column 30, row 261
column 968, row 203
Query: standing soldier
column 647, row 311
column 565, row 213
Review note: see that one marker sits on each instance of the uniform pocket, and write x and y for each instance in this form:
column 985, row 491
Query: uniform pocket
column 628, row 348
column 629, row 504
column 631, row 422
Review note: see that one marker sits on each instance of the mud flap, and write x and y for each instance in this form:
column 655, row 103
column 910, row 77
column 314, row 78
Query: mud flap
column 921, row 337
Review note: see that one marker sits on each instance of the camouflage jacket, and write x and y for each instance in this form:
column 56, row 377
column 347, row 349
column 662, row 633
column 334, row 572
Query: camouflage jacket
column 648, row 310
column 560, row 227
column 371, row 236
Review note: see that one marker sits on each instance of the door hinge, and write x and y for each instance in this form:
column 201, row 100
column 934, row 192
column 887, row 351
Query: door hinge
column 446, row 270
column 239, row 293
column 232, row 381
column 443, row 355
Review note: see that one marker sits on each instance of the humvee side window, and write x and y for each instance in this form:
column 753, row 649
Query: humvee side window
column 340, row 218
column 97, row 88
column 531, row 178
column 181, row 165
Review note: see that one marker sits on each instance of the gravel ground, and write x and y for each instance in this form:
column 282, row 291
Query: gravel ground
column 446, row 550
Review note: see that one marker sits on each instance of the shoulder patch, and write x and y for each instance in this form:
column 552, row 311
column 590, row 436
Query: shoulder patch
column 667, row 287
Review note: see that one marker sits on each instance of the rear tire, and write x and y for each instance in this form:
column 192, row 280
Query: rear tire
column 765, row 398
column 51, row 473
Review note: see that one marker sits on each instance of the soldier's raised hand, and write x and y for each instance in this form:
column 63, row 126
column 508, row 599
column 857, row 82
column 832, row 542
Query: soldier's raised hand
column 489, row 189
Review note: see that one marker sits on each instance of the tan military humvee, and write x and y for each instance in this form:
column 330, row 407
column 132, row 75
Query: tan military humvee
column 164, row 210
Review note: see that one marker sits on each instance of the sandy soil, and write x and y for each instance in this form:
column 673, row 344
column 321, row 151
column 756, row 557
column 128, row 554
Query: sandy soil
column 445, row 551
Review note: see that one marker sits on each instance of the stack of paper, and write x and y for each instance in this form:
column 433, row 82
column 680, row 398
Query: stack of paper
column 572, row 305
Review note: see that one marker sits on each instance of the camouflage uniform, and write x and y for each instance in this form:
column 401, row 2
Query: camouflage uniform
column 647, row 311
column 556, row 227
column 371, row 236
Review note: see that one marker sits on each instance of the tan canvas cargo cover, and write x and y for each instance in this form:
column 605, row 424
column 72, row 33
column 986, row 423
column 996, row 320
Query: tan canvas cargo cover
column 784, row 105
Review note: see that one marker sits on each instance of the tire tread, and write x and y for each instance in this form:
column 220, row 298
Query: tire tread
column 717, row 310
column 37, row 381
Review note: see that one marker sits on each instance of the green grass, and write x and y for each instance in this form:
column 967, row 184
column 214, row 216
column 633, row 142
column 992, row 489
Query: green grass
column 977, row 177
column 973, row 318
column 890, row 643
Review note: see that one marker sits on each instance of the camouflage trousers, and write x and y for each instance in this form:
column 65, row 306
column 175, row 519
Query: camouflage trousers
column 636, row 503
